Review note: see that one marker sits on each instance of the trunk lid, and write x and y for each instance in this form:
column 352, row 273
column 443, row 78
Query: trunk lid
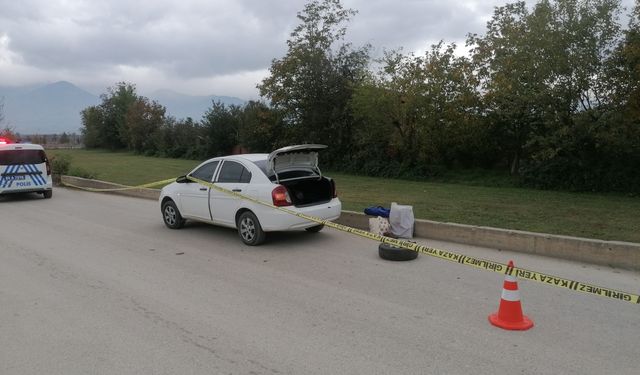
column 294, row 157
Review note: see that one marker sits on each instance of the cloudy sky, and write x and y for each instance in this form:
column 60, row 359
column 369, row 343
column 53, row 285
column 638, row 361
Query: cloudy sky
column 199, row 47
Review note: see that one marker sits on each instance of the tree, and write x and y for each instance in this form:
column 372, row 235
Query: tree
column 181, row 139
column 64, row 138
column 92, row 127
column 541, row 68
column 582, row 56
column 555, row 81
column 221, row 129
column 512, row 68
column 261, row 128
column 312, row 84
column 629, row 54
column 142, row 120
column 6, row 131
column 105, row 125
column 420, row 111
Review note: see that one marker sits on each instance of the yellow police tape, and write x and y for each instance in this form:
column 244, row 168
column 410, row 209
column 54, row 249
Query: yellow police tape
column 122, row 188
column 441, row 254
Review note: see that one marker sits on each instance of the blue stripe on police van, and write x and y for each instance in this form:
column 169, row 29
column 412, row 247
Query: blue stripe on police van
column 36, row 176
column 29, row 168
column 9, row 179
column 30, row 172
column 5, row 179
column 40, row 175
column 2, row 177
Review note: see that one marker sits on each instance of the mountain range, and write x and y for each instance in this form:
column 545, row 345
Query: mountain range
column 55, row 108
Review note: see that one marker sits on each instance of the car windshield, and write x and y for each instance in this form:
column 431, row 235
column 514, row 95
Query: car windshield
column 10, row 157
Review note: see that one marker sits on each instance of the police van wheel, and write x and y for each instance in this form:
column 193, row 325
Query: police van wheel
column 171, row 215
column 47, row 194
column 389, row 252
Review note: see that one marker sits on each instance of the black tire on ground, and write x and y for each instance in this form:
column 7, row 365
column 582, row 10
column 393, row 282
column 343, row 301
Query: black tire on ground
column 249, row 229
column 47, row 194
column 171, row 215
column 389, row 252
column 315, row 229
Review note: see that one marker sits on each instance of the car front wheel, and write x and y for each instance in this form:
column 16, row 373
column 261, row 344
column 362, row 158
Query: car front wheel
column 249, row 229
column 171, row 215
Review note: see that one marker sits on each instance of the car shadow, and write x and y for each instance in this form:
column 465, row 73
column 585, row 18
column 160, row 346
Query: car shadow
column 275, row 240
column 18, row 197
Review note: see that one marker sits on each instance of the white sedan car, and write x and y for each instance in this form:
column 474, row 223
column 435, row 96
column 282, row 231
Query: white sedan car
column 288, row 177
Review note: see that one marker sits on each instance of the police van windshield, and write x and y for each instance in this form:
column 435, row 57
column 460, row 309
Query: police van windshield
column 10, row 157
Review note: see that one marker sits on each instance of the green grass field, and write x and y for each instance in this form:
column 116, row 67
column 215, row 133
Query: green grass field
column 602, row 216
column 125, row 168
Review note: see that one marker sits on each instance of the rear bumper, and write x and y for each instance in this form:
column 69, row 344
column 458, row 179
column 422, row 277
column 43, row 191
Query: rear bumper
column 25, row 190
column 9, row 184
column 275, row 220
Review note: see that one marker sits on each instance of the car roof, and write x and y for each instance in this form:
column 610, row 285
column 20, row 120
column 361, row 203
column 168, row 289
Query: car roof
column 20, row 146
column 249, row 157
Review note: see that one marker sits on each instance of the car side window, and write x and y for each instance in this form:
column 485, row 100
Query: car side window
column 206, row 171
column 234, row 172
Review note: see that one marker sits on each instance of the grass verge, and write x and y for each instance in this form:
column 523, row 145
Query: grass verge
column 122, row 167
column 601, row 216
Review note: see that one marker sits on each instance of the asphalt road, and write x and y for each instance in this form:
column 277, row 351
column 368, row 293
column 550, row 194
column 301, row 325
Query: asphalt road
column 96, row 284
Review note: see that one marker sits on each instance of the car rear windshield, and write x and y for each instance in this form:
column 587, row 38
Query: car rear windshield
column 262, row 164
column 9, row 157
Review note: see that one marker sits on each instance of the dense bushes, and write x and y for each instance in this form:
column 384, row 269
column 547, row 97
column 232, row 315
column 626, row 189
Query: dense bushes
column 550, row 94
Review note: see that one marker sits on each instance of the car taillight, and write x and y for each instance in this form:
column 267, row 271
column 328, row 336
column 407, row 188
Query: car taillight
column 46, row 161
column 333, row 188
column 280, row 196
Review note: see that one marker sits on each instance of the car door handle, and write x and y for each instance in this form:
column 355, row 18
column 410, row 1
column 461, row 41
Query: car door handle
column 203, row 189
column 237, row 190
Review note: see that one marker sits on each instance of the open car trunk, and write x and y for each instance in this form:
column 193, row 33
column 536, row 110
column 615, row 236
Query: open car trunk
column 309, row 191
column 296, row 168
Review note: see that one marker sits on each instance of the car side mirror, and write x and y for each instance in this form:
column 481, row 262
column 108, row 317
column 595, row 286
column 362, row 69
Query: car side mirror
column 183, row 180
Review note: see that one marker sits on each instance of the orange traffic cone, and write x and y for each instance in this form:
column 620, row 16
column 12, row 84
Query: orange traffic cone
column 509, row 315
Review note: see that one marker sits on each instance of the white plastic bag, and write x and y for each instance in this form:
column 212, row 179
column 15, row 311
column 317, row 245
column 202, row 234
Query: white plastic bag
column 378, row 225
column 401, row 220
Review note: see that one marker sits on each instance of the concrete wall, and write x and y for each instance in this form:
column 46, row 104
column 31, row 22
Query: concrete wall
column 610, row 253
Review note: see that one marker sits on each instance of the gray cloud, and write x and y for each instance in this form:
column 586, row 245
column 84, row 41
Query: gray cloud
column 199, row 46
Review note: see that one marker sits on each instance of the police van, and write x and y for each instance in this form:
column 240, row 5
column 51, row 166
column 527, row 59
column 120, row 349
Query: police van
column 24, row 168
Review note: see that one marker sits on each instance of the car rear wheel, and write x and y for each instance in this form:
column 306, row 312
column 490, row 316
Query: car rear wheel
column 171, row 215
column 315, row 229
column 47, row 194
column 249, row 229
